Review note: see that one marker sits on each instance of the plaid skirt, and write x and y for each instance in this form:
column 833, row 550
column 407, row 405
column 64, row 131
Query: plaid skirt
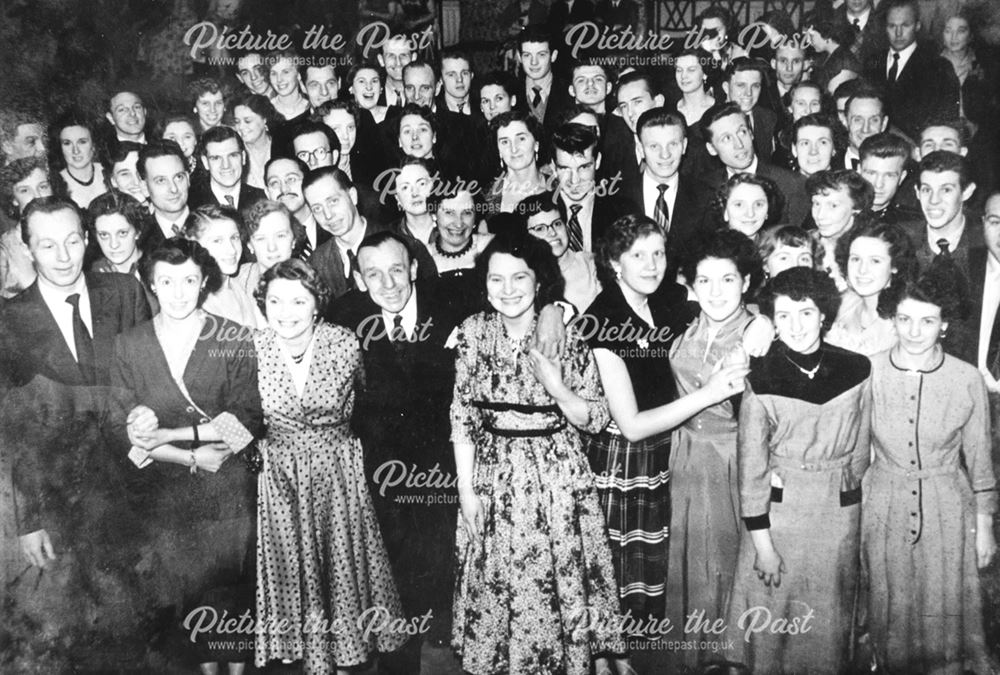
column 633, row 485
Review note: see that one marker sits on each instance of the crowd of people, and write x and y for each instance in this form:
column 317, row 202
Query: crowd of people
column 549, row 367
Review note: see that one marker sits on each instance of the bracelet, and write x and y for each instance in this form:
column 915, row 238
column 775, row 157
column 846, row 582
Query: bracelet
column 194, row 463
column 194, row 428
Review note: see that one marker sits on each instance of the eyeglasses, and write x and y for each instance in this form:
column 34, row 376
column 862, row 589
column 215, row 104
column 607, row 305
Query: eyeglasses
column 317, row 155
column 541, row 229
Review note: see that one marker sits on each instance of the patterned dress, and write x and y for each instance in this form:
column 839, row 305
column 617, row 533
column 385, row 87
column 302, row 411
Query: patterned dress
column 932, row 473
column 705, row 507
column 802, row 448
column 320, row 557
column 543, row 563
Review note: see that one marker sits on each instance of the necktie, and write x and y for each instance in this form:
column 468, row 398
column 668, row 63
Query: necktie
column 82, row 341
column 352, row 266
column 575, row 231
column 229, row 202
column 894, row 68
column 855, row 162
column 536, row 100
column 857, row 24
column 399, row 97
column 944, row 246
column 661, row 212
column 398, row 336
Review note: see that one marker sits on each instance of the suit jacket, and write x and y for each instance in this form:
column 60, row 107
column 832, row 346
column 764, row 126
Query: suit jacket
column 201, row 194
column 617, row 146
column 330, row 266
column 791, row 184
column 31, row 343
column 607, row 209
column 977, row 282
column 685, row 220
column 559, row 100
column 927, row 87
column 369, row 156
column 872, row 38
column 764, row 123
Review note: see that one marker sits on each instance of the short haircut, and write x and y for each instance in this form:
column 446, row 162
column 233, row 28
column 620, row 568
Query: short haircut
column 576, row 139
column 890, row 5
column 155, row 150
column 571, row 110
column 808, row 84
column 716, row 113
column 293, row 269
column 940, row 161
column 884, row 146
column 660, row 117
column 533, row 251
column 780, row 21
column 265, row 207
column 48, row 205
column 847, row 89
column 346, row 104
column 941, row 284
column 591, row 63
column 775, row 199
column 618, row 239
column 860, row 191
column 798, row 284
column 307, row 127
column 177, row 251
column 299, row 164
column 453, row 53
column 534, row 34
column 746, row 64
column 115, row 202
column 199, row 219
column 865, row 92
column 379, row 238
column 830, row 27
column 367, row 64
column 318, row 174
column 219, row 134
column 902, row 254
column 634, row 76
column 306, row 65
column 421, row 63
column 202, row 86
column 957, row 124
column 15, row 116
column 496, row 78
column 119, row 92
column 161, row 124
column 724, row 245
column 771, row 238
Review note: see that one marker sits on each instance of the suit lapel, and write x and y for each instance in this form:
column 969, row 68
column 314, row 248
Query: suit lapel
column 48, row 340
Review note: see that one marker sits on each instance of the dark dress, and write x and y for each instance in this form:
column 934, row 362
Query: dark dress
column 802, row 449
column 633, row 478
column 199, row 531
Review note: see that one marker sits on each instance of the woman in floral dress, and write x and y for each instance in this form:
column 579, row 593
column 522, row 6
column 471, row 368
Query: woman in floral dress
column 535, row 572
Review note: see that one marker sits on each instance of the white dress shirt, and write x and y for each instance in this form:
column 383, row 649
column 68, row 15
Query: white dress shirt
column 62, row 311
column 167, row 226
column 585, row 217
column 650, row 193
column 408, row 313
column 991, row 299
column 904, row 57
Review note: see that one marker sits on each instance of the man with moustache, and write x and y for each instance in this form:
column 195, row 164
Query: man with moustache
column 283, row 178
column 165, row 183
column 56, row 350
column 590, row 86
column 333, row 200
column 224, row 158
column 403, row 327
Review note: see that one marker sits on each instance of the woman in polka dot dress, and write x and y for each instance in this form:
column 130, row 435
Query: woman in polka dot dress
column 324, row 585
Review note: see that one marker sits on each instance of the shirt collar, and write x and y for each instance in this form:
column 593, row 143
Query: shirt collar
column 408, row 314
column 53, row 295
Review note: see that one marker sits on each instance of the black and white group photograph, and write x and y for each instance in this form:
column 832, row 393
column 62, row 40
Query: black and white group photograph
column 499, row 337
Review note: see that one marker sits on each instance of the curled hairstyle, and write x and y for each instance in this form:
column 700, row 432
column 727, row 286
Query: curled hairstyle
column 724, row 245
column 202, row 86
column 293, row 269
column 14, row 173
column 536, row 253
column 266, row 207
column 115, row 202
column 504, row 120
column 177, row 251
column 199, row 219
column 71, row 118
column 940, row 161
column 259, row 105
column 771, row 238
column 837, row 132
column 941, row 284
column 860, row 191
column 775, row 200
column 798, row 284
column 618, row 239
column 902, row 255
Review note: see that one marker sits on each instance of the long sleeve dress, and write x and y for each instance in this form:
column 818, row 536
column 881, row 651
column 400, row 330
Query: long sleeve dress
column 199, row 527
column 802, row 448
column 931, row 475
column 543, row 563
column 320, row 557
column 705, row 507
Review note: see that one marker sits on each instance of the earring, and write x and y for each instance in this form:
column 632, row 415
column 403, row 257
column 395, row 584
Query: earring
column 944, row 334
column 618, row 276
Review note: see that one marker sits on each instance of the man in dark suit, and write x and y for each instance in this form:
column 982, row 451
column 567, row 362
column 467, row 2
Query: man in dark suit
column 728, row 137
column 224, row 157
column 636, row 92
column 868, row 24
column 402, row 419
column 563, row 15
column 745, row 79
column 944, row 186
column 541, row 93
column 166, row 183
column 885, row 160
column 56, row 351
column 283, row 177
column 333, row 200
column 919, row 83
column 662, row 193
column 984, row 281
column 618, row 15
column 587, row 207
